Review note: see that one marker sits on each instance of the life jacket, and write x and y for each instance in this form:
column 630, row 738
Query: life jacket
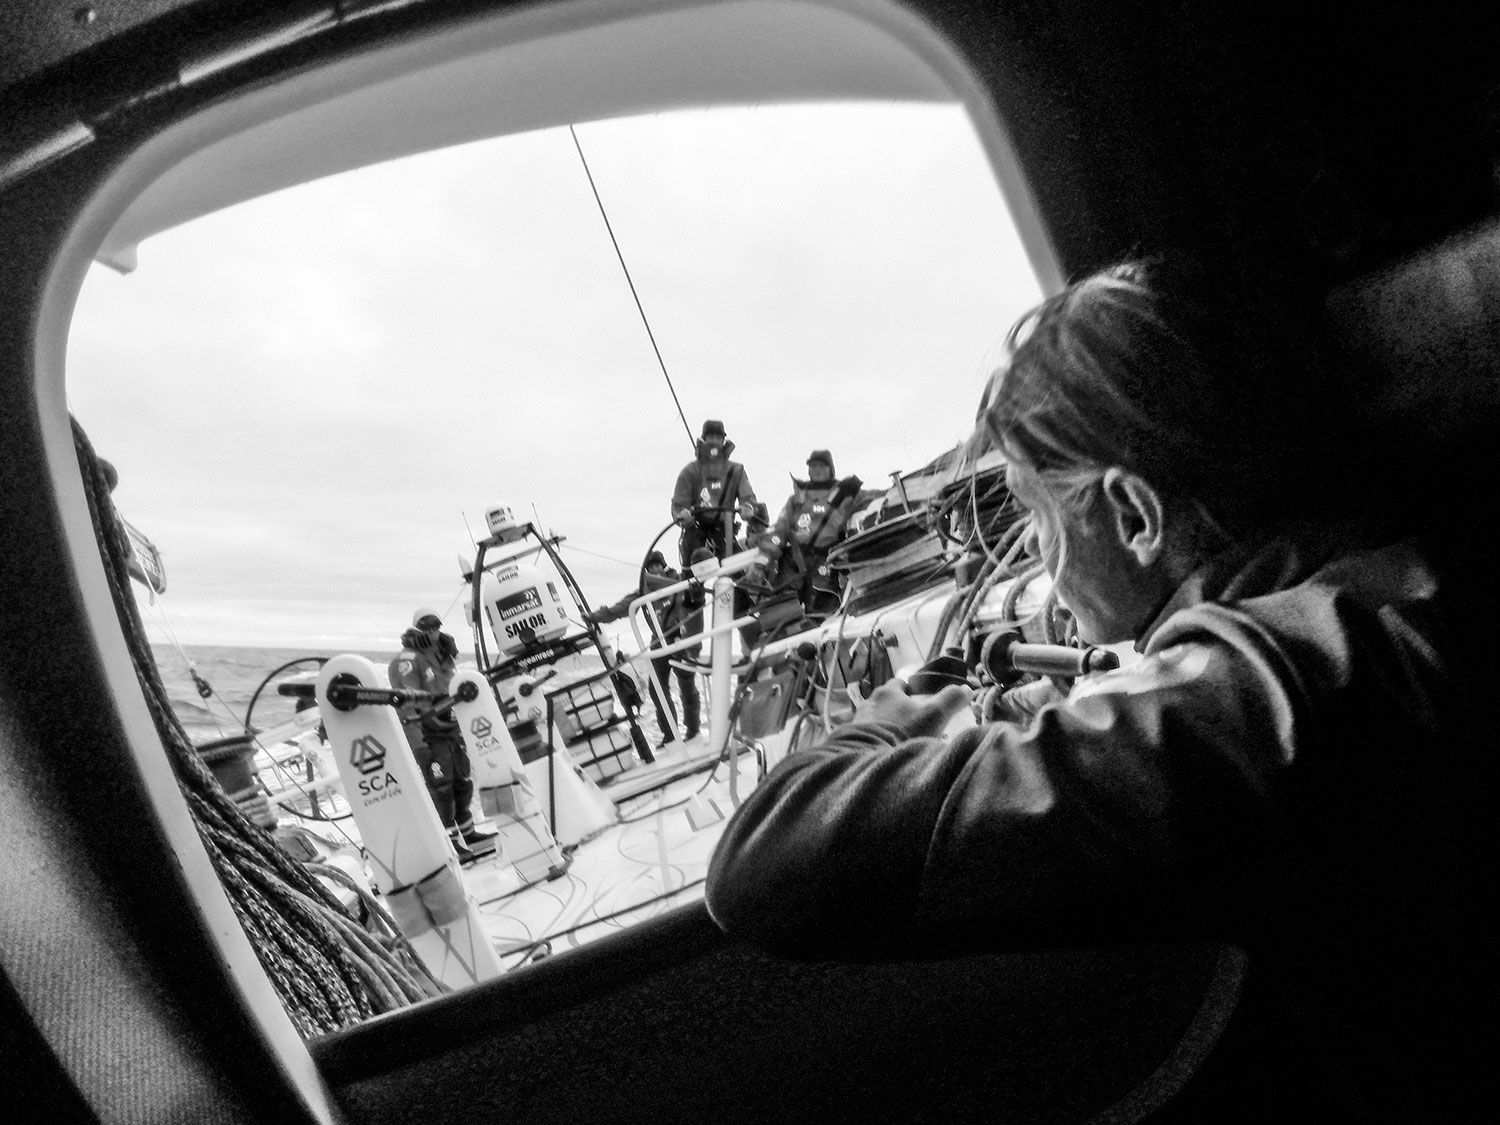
column 413, row 669
column 817, row 515
column 714, row 473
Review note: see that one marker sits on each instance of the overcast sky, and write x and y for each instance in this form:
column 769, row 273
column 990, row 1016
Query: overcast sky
column 307, row 395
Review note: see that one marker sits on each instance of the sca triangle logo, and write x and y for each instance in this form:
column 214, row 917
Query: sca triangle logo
column 367, row 755
column 480, row 727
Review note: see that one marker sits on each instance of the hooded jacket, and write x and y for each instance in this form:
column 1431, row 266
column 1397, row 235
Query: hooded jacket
column 1300, row 764
column 814, row 518
column 707, row 484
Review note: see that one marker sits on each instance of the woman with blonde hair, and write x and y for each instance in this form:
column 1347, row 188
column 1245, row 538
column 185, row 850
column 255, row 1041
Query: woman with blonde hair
column 1295, row 764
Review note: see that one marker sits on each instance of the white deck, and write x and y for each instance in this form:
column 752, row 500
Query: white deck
column 653, row 860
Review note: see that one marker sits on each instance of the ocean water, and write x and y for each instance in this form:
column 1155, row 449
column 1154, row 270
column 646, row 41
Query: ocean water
column 233, row 674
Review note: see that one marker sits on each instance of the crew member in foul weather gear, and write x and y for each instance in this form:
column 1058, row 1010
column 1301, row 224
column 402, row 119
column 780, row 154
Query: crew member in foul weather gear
column 680, row 616
column 426, row 662
column 711, row 490
column 815, row 517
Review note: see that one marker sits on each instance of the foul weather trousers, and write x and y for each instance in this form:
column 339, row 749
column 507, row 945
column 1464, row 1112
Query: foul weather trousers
column 687, row 687
column 445, row 768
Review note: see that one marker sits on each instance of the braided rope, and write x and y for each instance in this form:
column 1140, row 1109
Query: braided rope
column 380, row 925
column 328, row 972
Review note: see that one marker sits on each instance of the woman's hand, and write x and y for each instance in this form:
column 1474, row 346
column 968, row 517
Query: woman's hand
column 916, row 715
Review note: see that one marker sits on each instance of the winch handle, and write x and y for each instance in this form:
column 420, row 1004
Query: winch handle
column 345, row 694
column 1005, row 656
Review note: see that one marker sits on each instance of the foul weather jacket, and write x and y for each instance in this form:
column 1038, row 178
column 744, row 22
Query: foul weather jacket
column 1299, row 764
column 813, row 519
column 709, row 486
column 423, row 665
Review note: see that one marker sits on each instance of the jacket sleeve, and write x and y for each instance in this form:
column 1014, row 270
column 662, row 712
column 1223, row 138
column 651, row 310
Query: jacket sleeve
column 774, row 541
column 1141, row 778
column 684, row 494
column 614, row 611
column 745, row 494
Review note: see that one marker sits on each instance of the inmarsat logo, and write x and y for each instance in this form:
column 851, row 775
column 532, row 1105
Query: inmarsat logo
column 367, row 755
column 480, row 727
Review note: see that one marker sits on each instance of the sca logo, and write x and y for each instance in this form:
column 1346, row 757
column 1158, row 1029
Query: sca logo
column 368, row 756
column 480, row 727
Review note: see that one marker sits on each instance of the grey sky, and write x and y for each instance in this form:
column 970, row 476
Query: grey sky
column 306, row 394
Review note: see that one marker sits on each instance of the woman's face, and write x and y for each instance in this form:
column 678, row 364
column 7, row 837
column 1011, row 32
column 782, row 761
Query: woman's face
column 1094, row 574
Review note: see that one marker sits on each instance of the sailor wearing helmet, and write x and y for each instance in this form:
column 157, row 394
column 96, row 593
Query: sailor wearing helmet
column 426, row 662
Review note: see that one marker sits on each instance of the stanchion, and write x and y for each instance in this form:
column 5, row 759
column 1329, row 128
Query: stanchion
column 719, row 661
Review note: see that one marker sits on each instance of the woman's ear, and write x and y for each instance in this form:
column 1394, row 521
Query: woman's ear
column 1137, row 514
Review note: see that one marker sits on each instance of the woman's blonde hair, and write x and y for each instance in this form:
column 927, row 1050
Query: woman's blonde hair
column 1142, row 366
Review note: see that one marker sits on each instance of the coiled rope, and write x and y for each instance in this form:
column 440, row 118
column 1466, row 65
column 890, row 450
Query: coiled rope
column 327, row 975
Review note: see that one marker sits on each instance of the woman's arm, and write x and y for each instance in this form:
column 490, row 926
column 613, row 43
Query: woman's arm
column 1104, row 802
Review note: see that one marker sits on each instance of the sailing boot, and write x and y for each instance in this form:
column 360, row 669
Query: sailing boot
column 477, row 840
column 465, row 856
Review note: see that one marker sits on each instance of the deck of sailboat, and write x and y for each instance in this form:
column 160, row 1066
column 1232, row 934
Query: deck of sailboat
column 668, row 814
column 653, row 858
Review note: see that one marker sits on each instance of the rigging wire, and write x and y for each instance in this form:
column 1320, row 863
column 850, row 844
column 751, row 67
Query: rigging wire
column 205, row 690
column 572, row 132
column 606, row 558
